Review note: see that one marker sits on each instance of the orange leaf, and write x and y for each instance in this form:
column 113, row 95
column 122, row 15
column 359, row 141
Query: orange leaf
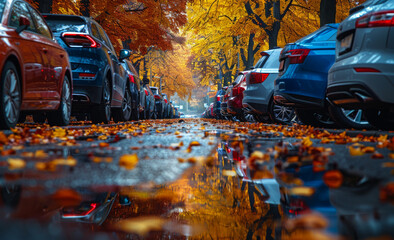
column 128, row 161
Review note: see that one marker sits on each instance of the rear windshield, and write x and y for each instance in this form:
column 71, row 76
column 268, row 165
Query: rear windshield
column 325, row 33
column 2, row 4
column 273, row 60
column 154, row 90
column 67, row 25
column 261, row 62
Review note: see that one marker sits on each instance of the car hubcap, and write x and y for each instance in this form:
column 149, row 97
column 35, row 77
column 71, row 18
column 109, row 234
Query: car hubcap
column 126, row 106
column 12, row 98
column 356, row 116
column 66, row 101
column 284, row 114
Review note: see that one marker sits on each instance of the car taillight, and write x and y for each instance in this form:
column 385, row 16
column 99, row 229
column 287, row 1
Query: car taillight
column 366, row 69
column 297, row 56
column 235, row 91
column 131, row 78
column 157, row 97
column 218, row 98
column 378, row 19
column 79, row 40
column 87, row 76
column 256, row 77
column 165, row 100
column 146, row 92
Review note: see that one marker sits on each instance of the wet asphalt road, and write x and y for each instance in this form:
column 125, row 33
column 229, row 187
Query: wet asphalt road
column 194, row 180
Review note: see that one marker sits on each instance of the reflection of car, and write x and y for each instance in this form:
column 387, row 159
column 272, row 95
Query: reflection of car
column 35, row 70
column 234, row 103
column 133, row 86
column 224, row 102
column 363, row 74
column 167, row 107
column 159, row 102
column 99, row 79
column 217, row 102
column 302, row 79
column 149, row 112
column 258, row 96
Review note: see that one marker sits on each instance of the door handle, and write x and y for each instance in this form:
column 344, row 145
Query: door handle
column 45, row 50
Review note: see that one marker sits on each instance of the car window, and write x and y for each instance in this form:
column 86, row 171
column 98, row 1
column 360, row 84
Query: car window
column 105, row 38
column 261, row 62
column 95, row 31
column 20, row 9
column 2, row 5
column 69, row 24
column 273, row 60
column 42, row 28
column 323, row 34
column 238, row 79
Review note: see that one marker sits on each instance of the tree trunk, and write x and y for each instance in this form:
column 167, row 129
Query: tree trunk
column 84, row 6
column 327, row 12
column 44, row 6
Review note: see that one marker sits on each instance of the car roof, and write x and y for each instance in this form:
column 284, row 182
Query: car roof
column 64, row 16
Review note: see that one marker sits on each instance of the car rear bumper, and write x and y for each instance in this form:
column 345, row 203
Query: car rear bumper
column 298, row 101
column 84, row 96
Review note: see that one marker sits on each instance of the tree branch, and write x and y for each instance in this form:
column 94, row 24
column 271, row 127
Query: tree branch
column 285, row 11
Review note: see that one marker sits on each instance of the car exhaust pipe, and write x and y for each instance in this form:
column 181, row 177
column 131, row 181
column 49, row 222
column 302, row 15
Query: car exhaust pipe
column 363, row 98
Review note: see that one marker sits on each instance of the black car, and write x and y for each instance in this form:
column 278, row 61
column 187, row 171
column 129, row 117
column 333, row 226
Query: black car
column 167, row 106
column 98, row 77
column 159, row 102
column 133, row 88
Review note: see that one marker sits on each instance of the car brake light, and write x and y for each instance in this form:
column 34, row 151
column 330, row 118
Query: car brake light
column 131, row 78
column 264, row 54
column 82, row 214
column 256, row 77
column 235, row 91
column 87, row 76
column 218, row 98
column 146, row 92
column 165, row 100
column 298, row 55
column 378, row 19
column 79, row 40
column 366, row 69
column 157, row 97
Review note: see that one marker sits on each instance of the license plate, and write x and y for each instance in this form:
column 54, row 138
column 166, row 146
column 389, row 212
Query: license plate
column 282, row 64
column 346, row 42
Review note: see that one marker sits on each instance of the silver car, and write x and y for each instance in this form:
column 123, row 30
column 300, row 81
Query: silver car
column 363, row 74
column 258, row 96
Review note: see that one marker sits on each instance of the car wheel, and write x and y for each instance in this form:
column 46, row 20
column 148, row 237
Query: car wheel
column 353, row 118
column 311, row 117
column 10, row 95
column 380, row 118
column 102, row 112
column 123, row 113
column 39, row 118
column 61, row 117
column 281, row 114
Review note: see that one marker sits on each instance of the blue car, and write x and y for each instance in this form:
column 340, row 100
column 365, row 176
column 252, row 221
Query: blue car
column 100, row 82
column 302, row 79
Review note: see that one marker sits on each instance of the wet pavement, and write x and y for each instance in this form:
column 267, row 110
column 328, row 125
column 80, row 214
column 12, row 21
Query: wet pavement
column 195, row 179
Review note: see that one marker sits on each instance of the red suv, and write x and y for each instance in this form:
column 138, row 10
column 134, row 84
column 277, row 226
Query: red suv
column 35, row 70
column 234, row 104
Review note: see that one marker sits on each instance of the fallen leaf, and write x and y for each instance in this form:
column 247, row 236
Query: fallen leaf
column 307, row 221
column 229, row 173
column 69, row 161
column 377, row 155
column 194, row 143
column 333, row 178
column 388, row 164
column 128, row 161
column 355, row 151
column 301, row 191
column 40, row 154
column 103, row 144
column 141, row 225
column 368, row 149
column 16, row 163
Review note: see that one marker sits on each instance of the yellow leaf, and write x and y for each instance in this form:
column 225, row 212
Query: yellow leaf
column 229, row 173
column 302, row 191
column 355, row 151
column 16, row 163
column 128, row 161
column 141, row 225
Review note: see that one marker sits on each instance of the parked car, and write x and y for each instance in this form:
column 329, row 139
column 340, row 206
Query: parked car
column 149, row 99
column 302, row 79
column 258, row 96
column 98, row 77
column 217, row 102
column 234, row 104
column 363, row 74
column 159, row 102
column 223, row 103
column 35, row 71
column 133, row 88
column 167, row 107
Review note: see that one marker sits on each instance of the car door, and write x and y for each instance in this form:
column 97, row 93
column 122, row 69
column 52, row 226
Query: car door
column 34, row 62
column 54, row 55
column 119, row 83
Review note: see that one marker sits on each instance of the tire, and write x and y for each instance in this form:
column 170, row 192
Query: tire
column 10, row 95
column 102, row 112
column 39, row 118
column 354, row 118
column 311, row 117
column 123, row 114
column 281, row 114
column 62, row 116
column 380, row 118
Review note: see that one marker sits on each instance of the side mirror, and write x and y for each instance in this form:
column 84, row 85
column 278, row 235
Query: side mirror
column 24, row 23
column 124, row 53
